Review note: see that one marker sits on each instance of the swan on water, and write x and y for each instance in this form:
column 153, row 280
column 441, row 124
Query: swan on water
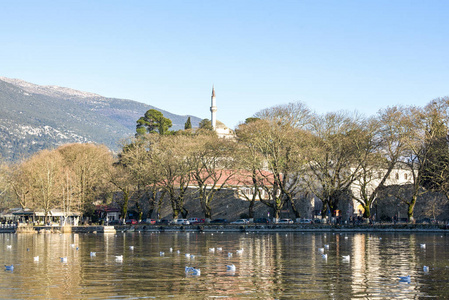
column 119, row 258
column 36, row 258
column 93, row 254
column 63, row 259
column 230, row 267
column 425, row 269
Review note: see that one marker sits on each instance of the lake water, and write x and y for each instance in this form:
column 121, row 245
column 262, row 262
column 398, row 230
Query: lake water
column 272, row 266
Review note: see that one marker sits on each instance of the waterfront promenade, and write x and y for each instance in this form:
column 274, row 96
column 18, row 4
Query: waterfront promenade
column 13, row 228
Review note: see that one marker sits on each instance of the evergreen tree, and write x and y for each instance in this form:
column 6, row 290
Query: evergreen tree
column 153, row 122
column 206, row 124
column 188, row 124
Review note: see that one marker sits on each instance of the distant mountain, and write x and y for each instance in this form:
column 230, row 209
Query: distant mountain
column 34, row 117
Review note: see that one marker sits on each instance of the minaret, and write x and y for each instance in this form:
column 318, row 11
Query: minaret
column 213, row 110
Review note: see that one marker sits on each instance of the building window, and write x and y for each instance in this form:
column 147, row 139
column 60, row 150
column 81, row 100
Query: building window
column 405, row 176
column 397, row 176
column 247, row 191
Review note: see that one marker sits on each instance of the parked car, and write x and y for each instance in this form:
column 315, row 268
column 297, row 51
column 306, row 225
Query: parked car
column 219, row 221
column 149, row 221
column 285, row 221
column 200, row 221
column 114, row 222
column 180, row 222
column 196, row 221
column 262, row 221
column 240, row 222
column 131, row 222
column 162, row 222
column 305, row 221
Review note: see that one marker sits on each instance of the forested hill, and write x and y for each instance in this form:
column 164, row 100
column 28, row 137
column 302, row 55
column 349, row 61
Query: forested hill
column 34, row 117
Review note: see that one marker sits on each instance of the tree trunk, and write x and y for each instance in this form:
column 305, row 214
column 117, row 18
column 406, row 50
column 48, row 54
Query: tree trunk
column 367, row 212
column 125, row 203
column 411, row 207
column 295, row 211
column 251, row 208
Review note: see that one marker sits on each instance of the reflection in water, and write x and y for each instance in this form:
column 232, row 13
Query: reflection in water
column 271, row 266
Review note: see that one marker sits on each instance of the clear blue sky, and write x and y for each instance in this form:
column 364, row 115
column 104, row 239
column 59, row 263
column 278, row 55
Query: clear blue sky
column 332, row 55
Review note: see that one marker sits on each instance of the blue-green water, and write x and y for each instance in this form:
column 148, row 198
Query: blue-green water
column 272, row 266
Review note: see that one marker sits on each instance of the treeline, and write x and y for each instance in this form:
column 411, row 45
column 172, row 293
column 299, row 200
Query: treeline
column 278, row 154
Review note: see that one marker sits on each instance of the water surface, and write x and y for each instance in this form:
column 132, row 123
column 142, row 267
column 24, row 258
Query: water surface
column 272, row 266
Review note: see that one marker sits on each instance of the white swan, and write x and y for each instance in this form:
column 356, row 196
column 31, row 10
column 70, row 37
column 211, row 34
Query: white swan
column 239, row 251
column 229, row 254
column 196, row 272
column 192, row 271
column 192, row 256
column 219, row 249
column 9, row 268
column 8, row 246
column 423, row 246
column 171, row 249
column 179, row 251
column 72, row 245
column 63, row 259
column 426, row 269
column 36, row 258
column 119, row 258
column 326, row 246
column 324, row 256
column 346, row 258
column 212, row 250
column 188, row 255
column 161, row 253
column 92, row 254
column 404, row 278
column 131, row 248
column 230, row 267
column 321, row 250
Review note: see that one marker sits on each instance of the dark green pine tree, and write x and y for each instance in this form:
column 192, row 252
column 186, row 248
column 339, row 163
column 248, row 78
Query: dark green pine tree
column 153, row 122
column 188, row 124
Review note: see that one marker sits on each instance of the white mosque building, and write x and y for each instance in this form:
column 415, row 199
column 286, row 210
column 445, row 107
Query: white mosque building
column 221, row 129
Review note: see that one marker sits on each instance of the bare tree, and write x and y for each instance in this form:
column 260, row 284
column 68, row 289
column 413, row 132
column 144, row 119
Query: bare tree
column 86, row 173
column 380, row 149
column 213, row 166
column 46, row 180
column 168, row 155
column 334, row 161
column 279, row 141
